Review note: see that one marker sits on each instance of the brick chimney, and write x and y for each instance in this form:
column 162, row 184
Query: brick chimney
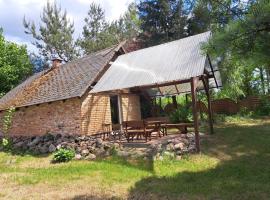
column 56, row 61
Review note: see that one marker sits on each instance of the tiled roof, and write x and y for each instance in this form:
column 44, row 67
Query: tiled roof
column 66, row 81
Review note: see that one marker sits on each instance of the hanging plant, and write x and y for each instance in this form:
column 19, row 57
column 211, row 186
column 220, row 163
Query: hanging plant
column 7, row 122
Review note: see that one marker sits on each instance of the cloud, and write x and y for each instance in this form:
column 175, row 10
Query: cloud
column 13, row 11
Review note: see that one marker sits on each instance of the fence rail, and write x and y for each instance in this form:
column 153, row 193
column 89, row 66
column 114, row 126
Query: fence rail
column 228, row 106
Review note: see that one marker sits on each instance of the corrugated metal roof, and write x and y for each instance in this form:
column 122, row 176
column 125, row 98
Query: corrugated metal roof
column 66, row 81
column 172, row 61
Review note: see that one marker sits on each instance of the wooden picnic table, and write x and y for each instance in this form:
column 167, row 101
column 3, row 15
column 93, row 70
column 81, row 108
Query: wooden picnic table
column 137, row 128
column 164, row 124
column 159, row 126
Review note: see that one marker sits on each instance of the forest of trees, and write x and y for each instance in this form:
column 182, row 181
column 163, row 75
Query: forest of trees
column 240, row 37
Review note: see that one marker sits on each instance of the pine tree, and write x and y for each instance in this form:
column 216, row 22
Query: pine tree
column 55, row 35
column 162, row 20
column 99, row 33
column 244, row 41
column 95, row 24
column 200, row 19
column 179, row 21
column 131, row 22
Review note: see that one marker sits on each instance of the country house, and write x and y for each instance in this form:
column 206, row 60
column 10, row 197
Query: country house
column 103, row 88
column 58, row 101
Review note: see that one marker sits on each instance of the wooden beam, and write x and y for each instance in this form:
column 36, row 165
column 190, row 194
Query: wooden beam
column 176, row 88
column 164, row 84
column 159, row 90
column 120, row 111
column 194, row 85
column 115, row 92
column 211, row 66
column 209, row 105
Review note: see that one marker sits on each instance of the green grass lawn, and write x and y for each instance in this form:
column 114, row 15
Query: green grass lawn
column 234, row 164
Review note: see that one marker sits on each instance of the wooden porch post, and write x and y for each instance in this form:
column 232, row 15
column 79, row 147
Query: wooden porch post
column 120, row 111
column 210, row 112
column 209, row 105
column 194, row 84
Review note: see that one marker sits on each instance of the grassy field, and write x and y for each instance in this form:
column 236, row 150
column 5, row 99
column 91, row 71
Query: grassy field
column 234, row 164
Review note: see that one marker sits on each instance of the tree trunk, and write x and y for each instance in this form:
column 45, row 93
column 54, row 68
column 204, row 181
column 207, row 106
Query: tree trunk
column 174, row 102
column 268, row 79
column 262, row 80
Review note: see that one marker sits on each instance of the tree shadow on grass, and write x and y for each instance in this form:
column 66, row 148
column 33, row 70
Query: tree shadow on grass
column 137, row 163
column 243, row 172
column 25, row 153
column 92, row 197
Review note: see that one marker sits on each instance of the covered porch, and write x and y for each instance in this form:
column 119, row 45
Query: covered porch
column 167, row 70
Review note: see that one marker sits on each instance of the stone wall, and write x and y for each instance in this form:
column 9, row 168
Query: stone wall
column 131, row 107
column 56, row 117
column 95, row 111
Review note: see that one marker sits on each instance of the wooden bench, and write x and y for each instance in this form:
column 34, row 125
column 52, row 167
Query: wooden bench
column 165, row 124
column 109, row 132
column 138, row 129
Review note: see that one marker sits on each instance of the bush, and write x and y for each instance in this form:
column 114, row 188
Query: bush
column 6, row 144
column 244, row 112
column 182, row 114
column 63, row 155
column 219, row 118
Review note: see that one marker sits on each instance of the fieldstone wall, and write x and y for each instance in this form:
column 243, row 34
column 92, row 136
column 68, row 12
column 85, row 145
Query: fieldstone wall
column 85, row 147
column 174, row 147
column 91, row 147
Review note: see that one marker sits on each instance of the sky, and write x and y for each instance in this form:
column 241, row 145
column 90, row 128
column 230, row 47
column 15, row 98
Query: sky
column 13, row 11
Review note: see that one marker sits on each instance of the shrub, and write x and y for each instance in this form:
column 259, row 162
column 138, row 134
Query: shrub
column 182, row 114
column 6, row 144
column 7, row 120
column 63, row 155
column 244, row 112
column 219, row 118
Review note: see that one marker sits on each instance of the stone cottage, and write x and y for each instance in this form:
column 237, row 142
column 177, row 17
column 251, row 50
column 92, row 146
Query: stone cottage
column 57, row 100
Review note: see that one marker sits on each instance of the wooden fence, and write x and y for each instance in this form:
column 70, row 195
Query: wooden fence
column 228, row 106
column 219, row 106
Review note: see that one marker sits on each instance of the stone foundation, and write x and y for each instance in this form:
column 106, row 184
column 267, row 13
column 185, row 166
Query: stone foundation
column 90, row 147
column 86, row 147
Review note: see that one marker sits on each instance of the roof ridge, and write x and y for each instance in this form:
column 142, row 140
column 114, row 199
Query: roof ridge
column 59, row 83
column 166, row 43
